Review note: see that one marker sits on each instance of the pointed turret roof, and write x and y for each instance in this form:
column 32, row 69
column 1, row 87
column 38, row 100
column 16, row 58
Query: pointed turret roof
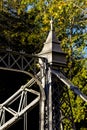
column 52, row 49
column 51, row 37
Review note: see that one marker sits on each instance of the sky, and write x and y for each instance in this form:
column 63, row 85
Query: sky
column 85, row 52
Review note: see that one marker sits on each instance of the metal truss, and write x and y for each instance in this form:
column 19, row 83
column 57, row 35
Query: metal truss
column 19, row 103
column 69, row 84
column 58, row 110
column 61, row 107
column 20, row 61
column 62, row 116
column 55, row 111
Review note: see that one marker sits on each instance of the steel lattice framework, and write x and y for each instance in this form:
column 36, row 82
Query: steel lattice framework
column 55, row 111
column 47, row 86
column 21, row 62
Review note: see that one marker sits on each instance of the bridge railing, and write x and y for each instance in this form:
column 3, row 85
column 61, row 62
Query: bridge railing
column 28, row 64
column 20, row 61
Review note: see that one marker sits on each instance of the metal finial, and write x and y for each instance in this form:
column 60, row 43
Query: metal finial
column 51, row 23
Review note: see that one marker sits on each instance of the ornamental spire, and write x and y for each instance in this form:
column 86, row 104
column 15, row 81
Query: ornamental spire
column 51, row 24
column 52, row 50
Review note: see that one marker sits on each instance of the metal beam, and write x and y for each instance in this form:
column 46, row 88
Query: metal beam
column 70, row 85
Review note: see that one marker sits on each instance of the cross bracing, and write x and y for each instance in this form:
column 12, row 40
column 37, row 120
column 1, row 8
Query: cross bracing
column 20, row 60
column 69, row 84
column 52, row 94
column 23, row 63
column 55, row 111
column 25, row 99
column 61, row 98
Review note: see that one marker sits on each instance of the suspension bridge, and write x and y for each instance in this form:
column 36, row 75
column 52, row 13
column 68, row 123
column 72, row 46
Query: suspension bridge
column 47, row 87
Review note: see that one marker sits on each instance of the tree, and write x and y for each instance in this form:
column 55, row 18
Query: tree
column 19, row 30
column 70, row 23
column 23, row 20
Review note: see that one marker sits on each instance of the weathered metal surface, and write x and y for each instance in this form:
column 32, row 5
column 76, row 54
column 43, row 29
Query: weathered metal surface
column 55, row 112
column 23, row 105
column 52, row 50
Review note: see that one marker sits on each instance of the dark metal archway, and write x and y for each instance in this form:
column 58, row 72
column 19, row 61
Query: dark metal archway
column 27, row 64
column 55, row 111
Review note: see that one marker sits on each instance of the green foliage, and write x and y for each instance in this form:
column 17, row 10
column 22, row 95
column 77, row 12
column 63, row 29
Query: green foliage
column 26, row 29
column 20, row 32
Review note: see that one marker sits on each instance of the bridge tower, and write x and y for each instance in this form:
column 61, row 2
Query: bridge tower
column 47, row 87
column 58, row 112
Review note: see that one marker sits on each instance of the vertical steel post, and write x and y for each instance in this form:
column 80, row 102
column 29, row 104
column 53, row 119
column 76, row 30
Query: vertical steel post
column 42, row 102
column 41, row 115
column 50, row 99
column 3, row 117
column 55, row 57
column 25, row 115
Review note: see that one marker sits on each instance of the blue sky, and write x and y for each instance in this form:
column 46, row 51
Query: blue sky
column 85, row 52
